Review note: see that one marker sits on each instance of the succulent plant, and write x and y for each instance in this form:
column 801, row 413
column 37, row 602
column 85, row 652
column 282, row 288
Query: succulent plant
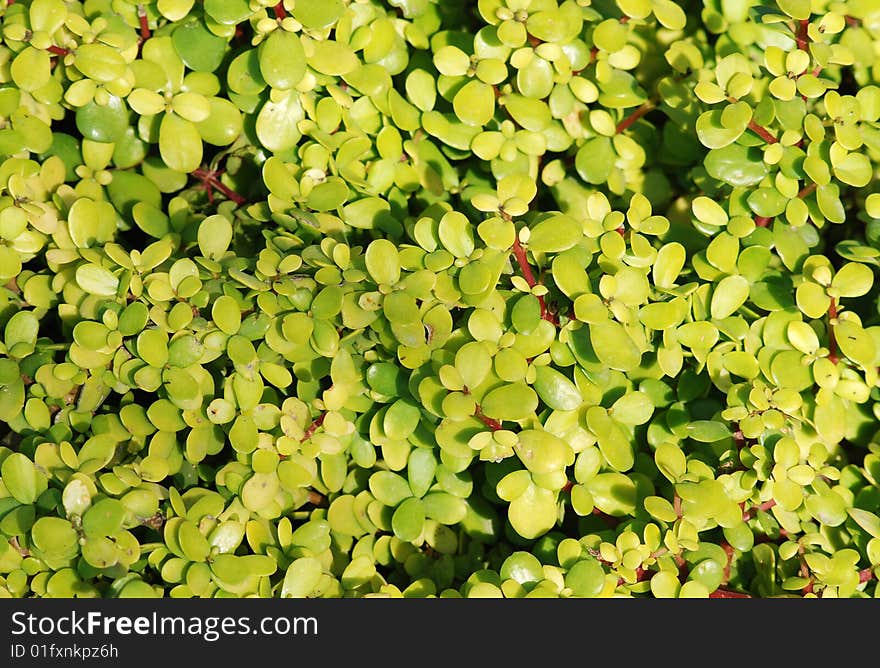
column 508, row 298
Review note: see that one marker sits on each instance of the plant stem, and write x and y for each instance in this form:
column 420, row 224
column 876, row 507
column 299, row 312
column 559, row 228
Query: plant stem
column 520, row 254
column 767, row 505
column 803, row 35
column 610, row 520
column 280, row 12
column 228, row 192
column 633, row 117
column 726, row 593
column 316, row 423
column 211, row 180
column 866, row 574
column 832, row 341
column 492, row 423
column 57, row 50
column 807, row 190
column 728, row 550
column 762, row 132
column 144, row 23
column 762, row 221
column 23, row 551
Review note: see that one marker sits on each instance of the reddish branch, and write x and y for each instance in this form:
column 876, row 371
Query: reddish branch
column 762, row 221
column 211, row 181
column 316, row 423
column 758, row 129
column 280, row 12
column 762, row 132
column 23, row 551
column 728, row 550
column 866, row 574
column 520, row 254
column 832, row 341
column 492, row 423
column 803, row 35
column 726, row 593
column 807, row 190
column 767, row 505
column 633, row 117
column 805, row 573
column 144, row 24
column 57, row 50
column 610, row 520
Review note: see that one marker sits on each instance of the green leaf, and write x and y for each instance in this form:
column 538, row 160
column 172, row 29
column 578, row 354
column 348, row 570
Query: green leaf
column 595, row 160
column 22, row 478
column 96, row 280
column 514, row 401
column 301, row 578
column 533, row 513
column 179, row 143
column 282, row 59
column 613, row 346
column 408, row 520
column 796, row 9
column 736, row 165
column 708, row 431
column 555, row 390
column 730, row 293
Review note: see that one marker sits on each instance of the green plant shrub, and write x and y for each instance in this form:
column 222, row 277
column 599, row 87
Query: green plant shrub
column 507, row 298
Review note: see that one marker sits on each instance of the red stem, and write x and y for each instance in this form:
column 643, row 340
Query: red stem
column 726, row 593
column 610, row 520
column 228, row 192
column 762, row 221
column 520, row 254
column 633, row 117
column 211, row 180
column 762, row 132
column 767, row 505
column 866, row 574
column 144, row 23
column 805, row 573
column 493, row 424
column 807, row 190
column 728, row 550
column 832, row 341
column 280, row 12
column 57, row 50
column 318, row 421
column 803, row 35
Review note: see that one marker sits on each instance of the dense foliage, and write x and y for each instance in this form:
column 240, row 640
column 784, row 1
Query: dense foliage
column 439, row 297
